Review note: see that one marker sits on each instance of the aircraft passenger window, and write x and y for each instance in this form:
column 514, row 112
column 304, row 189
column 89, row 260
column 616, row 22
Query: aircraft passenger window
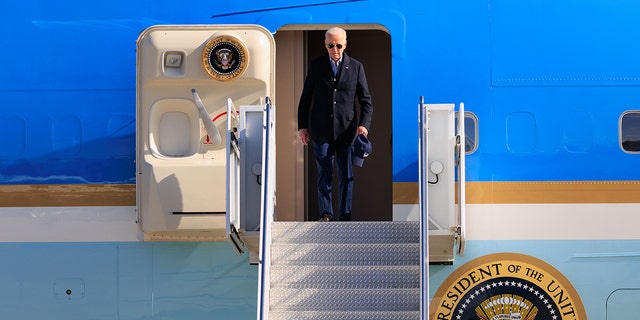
column 630, row 131
column 470, row 131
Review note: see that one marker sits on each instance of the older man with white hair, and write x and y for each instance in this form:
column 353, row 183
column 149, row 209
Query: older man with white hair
column 327, row 117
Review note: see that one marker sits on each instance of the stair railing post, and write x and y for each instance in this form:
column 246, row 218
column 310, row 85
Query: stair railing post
column 423, row 118
column 267, row 208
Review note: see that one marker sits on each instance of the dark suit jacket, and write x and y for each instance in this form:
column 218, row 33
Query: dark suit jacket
column 332, row 116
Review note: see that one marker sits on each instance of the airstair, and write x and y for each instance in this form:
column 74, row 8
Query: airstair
column 345, row 270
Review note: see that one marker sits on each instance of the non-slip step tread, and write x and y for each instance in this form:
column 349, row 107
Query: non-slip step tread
column 346, row 232
column 344, row 277
column 344, row 315
column 345, row 299
column 376, row 254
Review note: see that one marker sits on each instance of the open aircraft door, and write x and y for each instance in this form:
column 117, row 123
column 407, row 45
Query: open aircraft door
column 188, row 78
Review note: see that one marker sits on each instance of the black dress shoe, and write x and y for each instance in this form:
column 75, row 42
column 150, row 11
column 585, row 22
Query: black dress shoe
column 345, row 217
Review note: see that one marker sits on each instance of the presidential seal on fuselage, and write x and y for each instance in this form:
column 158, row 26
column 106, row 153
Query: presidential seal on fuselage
column 506, row 286
column 225, row 58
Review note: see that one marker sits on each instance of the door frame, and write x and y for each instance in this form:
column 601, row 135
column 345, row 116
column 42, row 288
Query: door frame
column 296, row 171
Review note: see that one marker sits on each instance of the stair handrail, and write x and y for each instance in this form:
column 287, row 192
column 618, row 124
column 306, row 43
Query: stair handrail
column 267, row 208
column 233, row 181
column 461, row 220
column 423, row 129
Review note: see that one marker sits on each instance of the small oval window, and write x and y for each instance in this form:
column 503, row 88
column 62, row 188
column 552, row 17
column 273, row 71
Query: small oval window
column 630, row 131
column 470, row 131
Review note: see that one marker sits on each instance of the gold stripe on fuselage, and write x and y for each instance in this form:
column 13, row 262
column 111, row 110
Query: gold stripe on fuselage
column 67, row 195
column 74, row 195
column 535, row 192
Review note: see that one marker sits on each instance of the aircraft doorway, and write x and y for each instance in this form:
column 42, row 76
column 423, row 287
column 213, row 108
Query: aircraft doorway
column 296, row 171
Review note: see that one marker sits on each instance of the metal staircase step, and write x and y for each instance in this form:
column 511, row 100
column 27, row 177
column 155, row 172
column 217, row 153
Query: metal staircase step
column 346, row 232
column 345, row 299
column 376, row 254
column 345, row 315
column 344, row 277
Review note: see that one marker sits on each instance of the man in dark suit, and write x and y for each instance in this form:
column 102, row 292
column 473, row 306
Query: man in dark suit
column 327, row 116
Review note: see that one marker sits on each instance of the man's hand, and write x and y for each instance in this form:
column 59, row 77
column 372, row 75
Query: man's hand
column 304, row 136
column 362, row 130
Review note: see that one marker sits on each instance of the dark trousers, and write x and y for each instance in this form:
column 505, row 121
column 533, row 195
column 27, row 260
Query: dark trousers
column 324, row 154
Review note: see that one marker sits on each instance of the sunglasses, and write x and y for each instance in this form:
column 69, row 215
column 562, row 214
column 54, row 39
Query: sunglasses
column 331, row 45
